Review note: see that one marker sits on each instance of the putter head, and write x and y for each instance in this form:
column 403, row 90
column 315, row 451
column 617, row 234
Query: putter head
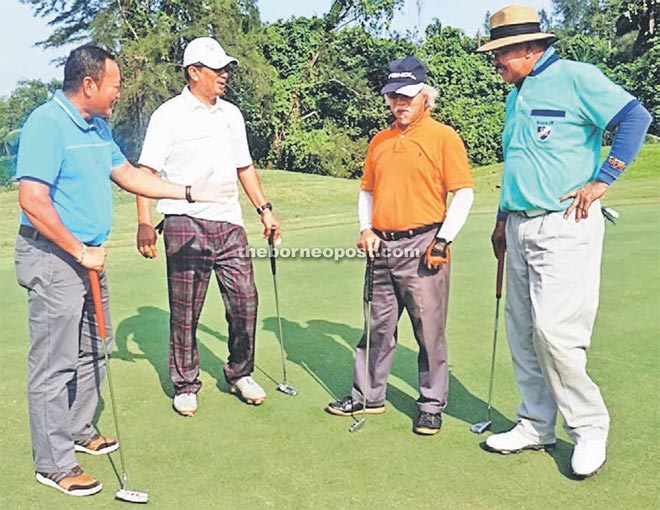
column 132, row 496
column 481, row 427
column 357, row 425
column 285, row 388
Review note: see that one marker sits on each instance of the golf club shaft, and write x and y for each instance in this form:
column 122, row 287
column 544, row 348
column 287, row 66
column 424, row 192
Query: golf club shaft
column 273, row 269
column 95, row 286
column 498, row 295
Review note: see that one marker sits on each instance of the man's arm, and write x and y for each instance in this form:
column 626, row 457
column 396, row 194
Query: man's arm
column 146, row 234
column 251, row 183
column 34, row 199
column 368, row 240
column 632, row 125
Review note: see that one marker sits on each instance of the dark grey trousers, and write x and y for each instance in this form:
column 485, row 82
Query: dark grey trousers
column 66, row 366
column 401, row 281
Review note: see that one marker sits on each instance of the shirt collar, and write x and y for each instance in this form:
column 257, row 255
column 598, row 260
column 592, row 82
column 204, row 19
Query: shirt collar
column 72, row 111
column 194, row 103
column 548, row 58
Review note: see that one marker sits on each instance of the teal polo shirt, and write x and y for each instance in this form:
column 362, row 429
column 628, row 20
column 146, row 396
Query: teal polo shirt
column 74, row 157
column 553, row 131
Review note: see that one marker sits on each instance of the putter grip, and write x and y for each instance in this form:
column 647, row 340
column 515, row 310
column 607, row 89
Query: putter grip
column 370, row 279
column 98, row 301
column 271, row 252
column 500, row 275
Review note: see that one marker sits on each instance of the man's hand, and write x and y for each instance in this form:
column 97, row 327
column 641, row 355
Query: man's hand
column 583, row 198
column 146, row 240
column 437, row 254
column 205, row 190
column 498, row 239
column 93, row 258
column 369, row 242
column 270, row 223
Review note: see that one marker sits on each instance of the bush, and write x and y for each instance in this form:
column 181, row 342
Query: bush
column 7, row 169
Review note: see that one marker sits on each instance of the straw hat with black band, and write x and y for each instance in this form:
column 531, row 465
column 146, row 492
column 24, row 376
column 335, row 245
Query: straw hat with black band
column 512, row 25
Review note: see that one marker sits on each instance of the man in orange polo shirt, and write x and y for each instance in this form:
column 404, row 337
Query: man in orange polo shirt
column 406, row 227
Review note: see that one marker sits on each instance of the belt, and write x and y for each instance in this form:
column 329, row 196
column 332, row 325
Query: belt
column 31, row 233
column 532, row 213
column 395, row 235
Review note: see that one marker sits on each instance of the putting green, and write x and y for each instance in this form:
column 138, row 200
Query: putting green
column 289, row 453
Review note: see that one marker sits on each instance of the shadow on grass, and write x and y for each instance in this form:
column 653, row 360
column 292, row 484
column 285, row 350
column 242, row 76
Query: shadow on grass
column 326, row 351
column 149, row 329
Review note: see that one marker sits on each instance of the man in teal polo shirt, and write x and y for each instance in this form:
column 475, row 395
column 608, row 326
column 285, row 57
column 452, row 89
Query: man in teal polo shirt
column 550, row 224
column 66, row 162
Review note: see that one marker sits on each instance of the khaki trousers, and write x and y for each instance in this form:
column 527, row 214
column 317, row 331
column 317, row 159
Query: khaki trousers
column 553, row 278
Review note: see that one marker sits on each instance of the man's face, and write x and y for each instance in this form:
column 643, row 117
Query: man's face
column 513, row 63
column 406, row 109
column 103, row 95
column 210, row 83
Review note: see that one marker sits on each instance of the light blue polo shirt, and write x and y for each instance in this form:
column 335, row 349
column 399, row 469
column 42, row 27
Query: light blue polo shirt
column 553, row 131
column 74, row 157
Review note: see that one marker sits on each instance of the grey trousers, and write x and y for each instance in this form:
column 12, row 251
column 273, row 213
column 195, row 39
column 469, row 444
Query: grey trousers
column 401, row 281
column 66, row 366
column 553, row 278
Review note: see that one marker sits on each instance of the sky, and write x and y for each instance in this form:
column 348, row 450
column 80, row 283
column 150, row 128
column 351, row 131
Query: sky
column 22, row 60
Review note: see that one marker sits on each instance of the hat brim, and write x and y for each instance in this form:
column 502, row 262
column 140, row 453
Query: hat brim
column 514, row 39
column 410, row 90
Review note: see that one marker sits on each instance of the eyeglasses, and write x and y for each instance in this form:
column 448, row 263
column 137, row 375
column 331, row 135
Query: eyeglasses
column 199, row 65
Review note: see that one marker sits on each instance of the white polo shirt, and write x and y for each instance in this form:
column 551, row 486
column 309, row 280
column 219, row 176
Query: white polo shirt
column 185, row 140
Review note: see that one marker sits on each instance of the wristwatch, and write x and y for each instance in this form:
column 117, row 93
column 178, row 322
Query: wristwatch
column 262, row 208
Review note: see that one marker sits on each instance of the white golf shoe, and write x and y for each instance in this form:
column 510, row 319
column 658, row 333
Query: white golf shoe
column 185, row 404
column 589, row 458
column 515, row 441
column 248, row 390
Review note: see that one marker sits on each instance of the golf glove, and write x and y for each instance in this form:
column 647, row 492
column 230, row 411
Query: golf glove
column 437, row 253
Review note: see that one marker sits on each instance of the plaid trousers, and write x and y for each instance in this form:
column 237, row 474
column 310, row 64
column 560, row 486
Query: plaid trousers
column 194, row 248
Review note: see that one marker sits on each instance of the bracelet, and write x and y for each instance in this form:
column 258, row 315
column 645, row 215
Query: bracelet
column 262, row 208
column 79, row 260
column 189, row 195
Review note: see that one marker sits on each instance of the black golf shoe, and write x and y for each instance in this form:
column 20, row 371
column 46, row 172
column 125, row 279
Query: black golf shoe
column 428, row 424
column 348, row 407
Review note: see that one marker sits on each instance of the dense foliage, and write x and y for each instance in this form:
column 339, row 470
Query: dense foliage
column 308, row 87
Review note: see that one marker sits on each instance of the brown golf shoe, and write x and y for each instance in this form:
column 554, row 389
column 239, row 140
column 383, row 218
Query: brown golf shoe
column 97, row 445
column 73, row 482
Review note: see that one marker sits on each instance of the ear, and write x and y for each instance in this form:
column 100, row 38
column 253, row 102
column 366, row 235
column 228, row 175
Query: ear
column 193, row 73
column 89, row 86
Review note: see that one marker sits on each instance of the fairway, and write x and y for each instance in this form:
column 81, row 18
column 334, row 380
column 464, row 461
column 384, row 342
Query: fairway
column 289, row 453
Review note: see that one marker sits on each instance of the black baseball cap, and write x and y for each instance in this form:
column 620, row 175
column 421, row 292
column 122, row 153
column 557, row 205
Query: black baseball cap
column 406, row 76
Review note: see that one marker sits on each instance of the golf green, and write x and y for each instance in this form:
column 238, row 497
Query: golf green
column 289, row 453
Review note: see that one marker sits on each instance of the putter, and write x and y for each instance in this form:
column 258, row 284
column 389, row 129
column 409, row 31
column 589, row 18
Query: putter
column 284, row 387
column 369, row 293
column 123, row 493
column 483, row 426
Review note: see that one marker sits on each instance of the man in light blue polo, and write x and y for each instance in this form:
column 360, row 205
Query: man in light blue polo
column 66, row 161
column 550, row 224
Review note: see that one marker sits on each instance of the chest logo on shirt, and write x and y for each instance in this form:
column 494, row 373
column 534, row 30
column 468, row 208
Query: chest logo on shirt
column 544, row 131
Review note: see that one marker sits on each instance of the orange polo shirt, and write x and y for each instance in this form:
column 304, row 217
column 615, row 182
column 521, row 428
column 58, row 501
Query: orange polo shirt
column 410, row 172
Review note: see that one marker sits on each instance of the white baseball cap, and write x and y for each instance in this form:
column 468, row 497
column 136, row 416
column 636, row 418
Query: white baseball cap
column 207, row 51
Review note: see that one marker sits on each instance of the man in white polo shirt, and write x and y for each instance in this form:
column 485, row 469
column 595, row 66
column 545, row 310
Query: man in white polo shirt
column 190, row 135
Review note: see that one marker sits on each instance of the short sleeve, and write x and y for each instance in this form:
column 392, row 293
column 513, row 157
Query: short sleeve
column 40, row 152
column 116, row 155
column 600, row 98
column 156, row 146
column 456, row 168
column 367, row 182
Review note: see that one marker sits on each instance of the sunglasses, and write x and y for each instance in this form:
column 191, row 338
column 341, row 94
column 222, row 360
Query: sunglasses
column 227, row 68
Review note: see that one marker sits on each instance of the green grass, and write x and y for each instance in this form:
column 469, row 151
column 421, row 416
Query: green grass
column 288, row 453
